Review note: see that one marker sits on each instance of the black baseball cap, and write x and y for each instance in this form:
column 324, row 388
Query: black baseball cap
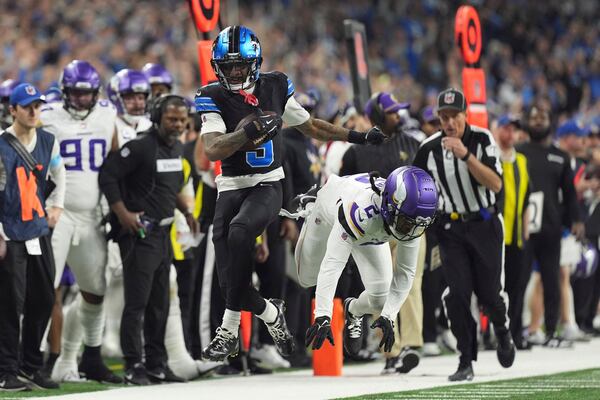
column 451, row 99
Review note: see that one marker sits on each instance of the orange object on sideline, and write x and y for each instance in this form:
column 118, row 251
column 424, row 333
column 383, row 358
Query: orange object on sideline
column 207, row 75
column 246, row 330
column 328, row 360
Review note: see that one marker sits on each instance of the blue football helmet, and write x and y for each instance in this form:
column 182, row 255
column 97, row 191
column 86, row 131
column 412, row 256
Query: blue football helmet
column 236, row 58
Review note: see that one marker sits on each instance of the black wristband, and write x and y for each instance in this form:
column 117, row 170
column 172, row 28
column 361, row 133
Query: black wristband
column 356, row 137
column 466, row 157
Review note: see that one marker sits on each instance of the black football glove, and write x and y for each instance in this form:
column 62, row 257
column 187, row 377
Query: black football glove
column 387, row 328
column 264, row 128
column 318, row 332
column 373, row 136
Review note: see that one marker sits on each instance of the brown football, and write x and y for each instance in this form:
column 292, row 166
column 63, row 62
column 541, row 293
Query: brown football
column 250, row 145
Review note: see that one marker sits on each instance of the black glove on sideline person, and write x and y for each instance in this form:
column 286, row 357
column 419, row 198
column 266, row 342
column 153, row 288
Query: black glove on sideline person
column 387, row 328
column 372, row 136
column 318, row 332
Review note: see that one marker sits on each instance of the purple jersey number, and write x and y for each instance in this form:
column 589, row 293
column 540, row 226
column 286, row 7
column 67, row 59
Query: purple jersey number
column 70, row 151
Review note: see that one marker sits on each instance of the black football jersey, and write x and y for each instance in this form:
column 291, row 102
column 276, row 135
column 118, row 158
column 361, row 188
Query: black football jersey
column 272, row 90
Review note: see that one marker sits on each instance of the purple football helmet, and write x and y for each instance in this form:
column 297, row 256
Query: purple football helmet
column 158, row 75
column 128, row 81
column 6, row 89
column 79, row 78
column 408, row 202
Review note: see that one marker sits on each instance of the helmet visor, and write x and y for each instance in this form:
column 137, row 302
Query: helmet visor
column 405, row 228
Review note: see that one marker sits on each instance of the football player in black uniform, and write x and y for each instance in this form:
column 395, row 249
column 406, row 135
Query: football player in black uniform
column 250, row 193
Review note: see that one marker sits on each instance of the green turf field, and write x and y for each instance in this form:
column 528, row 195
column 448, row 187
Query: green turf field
column 577, row 385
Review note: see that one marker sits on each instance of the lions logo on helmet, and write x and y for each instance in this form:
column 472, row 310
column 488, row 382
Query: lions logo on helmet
column 236, row 58
column 408, row 202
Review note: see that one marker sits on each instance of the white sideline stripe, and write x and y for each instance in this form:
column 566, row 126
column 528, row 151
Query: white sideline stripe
column 365, row 379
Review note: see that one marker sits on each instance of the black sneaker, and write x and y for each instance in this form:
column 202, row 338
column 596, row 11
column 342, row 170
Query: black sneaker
column 136, row 375
column 352, row 330
column 10, row 383
column 390, row 366
column 91, row 367
column 506, row 349
column 409, row 358
column 223, row 345
column 555, row 342
column 163, row 375
column 463, row 373
column 37, row 380
column 283, row 339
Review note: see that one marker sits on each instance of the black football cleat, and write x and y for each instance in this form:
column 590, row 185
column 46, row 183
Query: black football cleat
column 283, row 339
column 463, row 373
column 137, row 375
column 223, row 345
column 353, row 329
column 163, row 375
column 37, row 380
column 409, row 359
column 91, row 367
column 10, row 383
column 506, row 349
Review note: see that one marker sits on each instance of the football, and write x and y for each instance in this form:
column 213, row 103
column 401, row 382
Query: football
column 251, row 145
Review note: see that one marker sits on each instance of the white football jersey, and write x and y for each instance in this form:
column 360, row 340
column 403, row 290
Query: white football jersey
column 126, row 132
column 84, row 145
column 360, row 205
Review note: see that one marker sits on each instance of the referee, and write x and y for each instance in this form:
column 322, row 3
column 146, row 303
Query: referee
column 464, row 161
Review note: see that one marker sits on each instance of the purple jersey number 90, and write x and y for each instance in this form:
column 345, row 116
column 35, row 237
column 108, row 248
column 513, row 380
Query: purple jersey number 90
column 71, row 152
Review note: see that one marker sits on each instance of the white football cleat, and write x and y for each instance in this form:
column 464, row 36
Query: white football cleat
column 205, row 367
column 184, row 368
column 66, row 371
column 268, row 357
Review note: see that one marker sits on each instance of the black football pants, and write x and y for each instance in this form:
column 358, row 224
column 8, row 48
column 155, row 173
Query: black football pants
column 472, row 262
column 240, row 217
column 517, row 274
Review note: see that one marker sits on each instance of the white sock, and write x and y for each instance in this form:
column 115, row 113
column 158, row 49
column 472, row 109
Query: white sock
column 180, row 361
column 270, row 313
column 72, row 332
column 92, row 321
column 231, row 321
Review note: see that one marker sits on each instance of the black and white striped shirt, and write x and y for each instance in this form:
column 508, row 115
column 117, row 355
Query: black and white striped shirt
column 459, row 190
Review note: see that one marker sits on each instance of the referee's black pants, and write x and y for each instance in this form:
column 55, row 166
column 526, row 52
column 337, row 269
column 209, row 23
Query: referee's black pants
column 146, row 267
column 240, row 217
column 517, row 274
column 544, row 247
column 472, row 261
column 26, row 287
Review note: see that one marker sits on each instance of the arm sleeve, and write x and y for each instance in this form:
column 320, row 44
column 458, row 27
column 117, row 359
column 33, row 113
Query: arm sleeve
column 405, row 268
column 212, row 122
column 118, row 165
column 294, row 114
column 490, row 156
column 570, row 196
column 59, row 176
column 336, row 257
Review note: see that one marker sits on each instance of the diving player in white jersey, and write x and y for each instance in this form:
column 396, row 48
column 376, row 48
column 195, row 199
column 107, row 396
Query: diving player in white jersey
column 84, row 128
column 358, row 215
